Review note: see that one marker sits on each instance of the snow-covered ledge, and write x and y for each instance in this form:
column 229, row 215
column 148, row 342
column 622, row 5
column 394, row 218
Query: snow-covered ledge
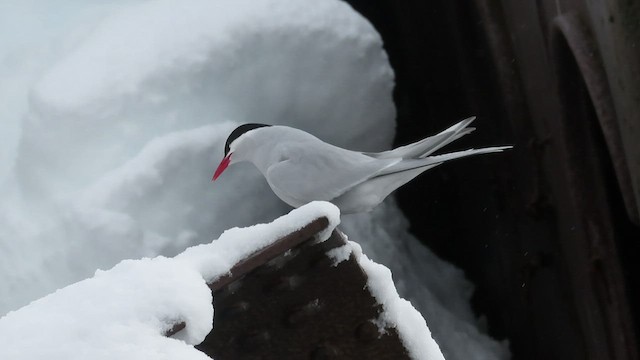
column 125, row 312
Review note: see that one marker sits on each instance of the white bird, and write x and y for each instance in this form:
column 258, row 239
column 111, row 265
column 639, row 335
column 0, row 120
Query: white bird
column 301, row 168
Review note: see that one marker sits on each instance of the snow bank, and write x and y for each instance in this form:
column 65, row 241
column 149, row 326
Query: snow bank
column 170, row 65
column 123, row 107
column 33, row 35
column 121, row 135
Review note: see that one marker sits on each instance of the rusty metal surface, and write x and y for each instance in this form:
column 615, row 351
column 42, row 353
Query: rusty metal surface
column 616, row 28
column 569, row 104
column 569, row 30
column 588, row 121
column 300, row 306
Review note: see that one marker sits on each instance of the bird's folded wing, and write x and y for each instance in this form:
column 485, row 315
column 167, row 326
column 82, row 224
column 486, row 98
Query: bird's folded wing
column 322, row 175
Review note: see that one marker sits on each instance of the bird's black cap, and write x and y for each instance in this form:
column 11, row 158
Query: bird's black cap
column 242, row 129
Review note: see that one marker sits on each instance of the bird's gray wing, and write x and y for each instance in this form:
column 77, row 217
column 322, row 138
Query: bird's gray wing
column 307, row 174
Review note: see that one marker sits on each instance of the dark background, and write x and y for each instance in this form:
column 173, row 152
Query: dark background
column 547, row 231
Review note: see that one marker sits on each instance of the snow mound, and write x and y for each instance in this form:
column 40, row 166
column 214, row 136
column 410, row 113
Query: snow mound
column 168, row 65
column 121, row 135
column 118, row 314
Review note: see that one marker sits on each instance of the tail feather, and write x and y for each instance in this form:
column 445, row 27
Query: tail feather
column 462, row 133
column 428, row 146
column 468, row 152
column 432, row 161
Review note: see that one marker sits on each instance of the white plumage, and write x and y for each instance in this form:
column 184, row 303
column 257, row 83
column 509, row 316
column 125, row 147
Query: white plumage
column 301, row 168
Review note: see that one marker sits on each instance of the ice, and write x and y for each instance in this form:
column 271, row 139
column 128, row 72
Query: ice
column 115, row 116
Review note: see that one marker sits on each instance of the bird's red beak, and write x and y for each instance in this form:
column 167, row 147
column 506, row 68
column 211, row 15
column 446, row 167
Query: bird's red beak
column 223, row 165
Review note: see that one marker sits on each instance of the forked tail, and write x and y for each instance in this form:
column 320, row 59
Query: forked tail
column 428, row 146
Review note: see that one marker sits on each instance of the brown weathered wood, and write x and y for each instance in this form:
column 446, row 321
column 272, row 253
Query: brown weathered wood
column 177, row 327
column 305, row 306
column 263, row 255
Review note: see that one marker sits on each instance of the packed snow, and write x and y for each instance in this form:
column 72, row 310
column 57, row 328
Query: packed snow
column 118, row 314
column 114, row 116
column 216, row 259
